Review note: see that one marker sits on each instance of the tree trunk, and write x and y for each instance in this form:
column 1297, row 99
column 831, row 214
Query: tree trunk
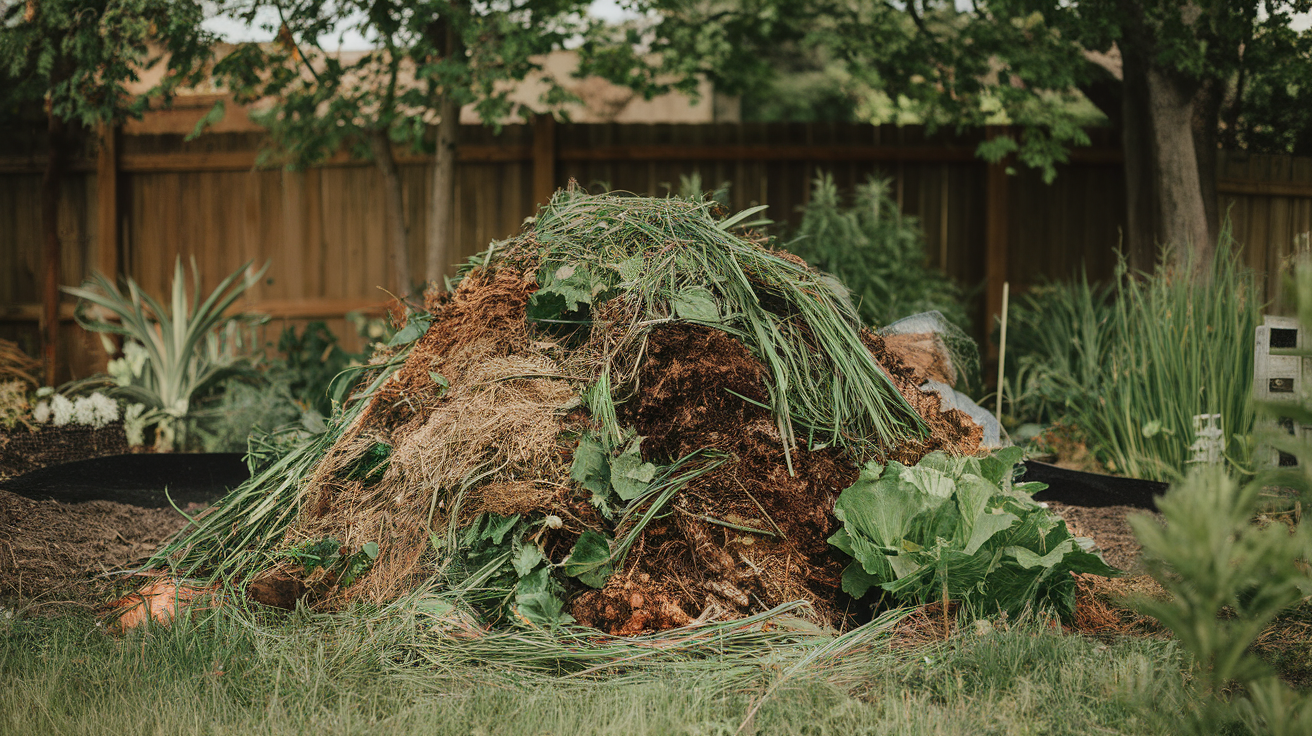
column 51, row 252
column 442, row 208
column 397, row 232
column 1182, row 216
column 1137, row 147
column 1207, row 139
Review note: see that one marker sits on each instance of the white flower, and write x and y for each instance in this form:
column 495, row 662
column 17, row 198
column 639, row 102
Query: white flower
column 44, row 391
column 62, row 408
column 83, row 412
column 105, row 410
column 42, row 412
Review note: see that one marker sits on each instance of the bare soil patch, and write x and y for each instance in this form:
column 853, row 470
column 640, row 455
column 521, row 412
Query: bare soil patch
column 53, row 553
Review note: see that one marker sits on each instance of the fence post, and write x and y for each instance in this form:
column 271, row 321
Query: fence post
column 544, row 158
column 107, row 202
column 996, row 231
column 107, row 222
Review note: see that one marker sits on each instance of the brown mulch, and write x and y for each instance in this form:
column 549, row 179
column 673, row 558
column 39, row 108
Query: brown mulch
column 54, row 553
column 1108, row 528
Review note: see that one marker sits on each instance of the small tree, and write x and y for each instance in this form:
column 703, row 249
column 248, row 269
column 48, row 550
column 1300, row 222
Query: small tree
column 70, row 61
column 429, row 58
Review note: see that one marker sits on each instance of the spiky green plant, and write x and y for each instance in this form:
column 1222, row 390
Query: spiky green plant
column 179, row 348
column 1133, row 368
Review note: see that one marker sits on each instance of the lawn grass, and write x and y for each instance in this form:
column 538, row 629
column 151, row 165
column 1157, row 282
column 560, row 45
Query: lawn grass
column 226, row 672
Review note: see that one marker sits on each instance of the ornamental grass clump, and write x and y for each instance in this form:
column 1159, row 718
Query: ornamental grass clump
column 1131, row 366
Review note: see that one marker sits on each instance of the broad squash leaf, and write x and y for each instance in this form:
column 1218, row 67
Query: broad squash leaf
column 589, row 561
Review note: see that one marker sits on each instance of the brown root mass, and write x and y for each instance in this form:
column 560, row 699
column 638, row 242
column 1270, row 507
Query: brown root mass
column 488, row 441
column 697, row 388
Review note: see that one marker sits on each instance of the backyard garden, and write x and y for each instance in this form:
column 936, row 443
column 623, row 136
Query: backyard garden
column 655, row 464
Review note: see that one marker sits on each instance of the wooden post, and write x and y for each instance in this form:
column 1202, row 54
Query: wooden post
column 107, row 202
column 51, row 251
column 544, row 158
column 995, row 238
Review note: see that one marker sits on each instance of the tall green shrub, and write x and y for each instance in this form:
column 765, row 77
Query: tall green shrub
column 876, row 252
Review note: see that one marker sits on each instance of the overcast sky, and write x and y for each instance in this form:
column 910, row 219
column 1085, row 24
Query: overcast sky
column 232, row 30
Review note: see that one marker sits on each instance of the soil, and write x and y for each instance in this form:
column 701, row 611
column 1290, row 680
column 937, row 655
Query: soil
column 23, row 450
column 56, row 554
column 1107, row 527
column 925, row 354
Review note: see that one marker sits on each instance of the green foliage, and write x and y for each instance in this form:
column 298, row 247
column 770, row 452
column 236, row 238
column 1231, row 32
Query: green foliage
column 1130, row 384
column 956, row 528
column 234, row 538
column 171, row 352
column 1059, row 335
column 876, row 252
column 79, row 56
column 824, row 384
column 336, row 673
column 1228, row 577
column 326, row 102
column 507, row 574
column 326, row 554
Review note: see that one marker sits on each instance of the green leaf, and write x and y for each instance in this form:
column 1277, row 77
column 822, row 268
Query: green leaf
column 537, row 599
column 629, row 475
column 415, row 327
column 856, row 581
column 370, row 550
column 439, row 379
column 695, row 304
column 528, row 557
column 498, row 527
column 591, row 468
column 955, row 525
column 214, row 115
column 589, row 561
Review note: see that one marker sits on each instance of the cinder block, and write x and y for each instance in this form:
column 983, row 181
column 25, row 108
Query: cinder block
column 1279, row 378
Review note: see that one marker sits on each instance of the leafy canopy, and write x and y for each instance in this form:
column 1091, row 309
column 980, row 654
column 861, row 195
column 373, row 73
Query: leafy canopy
column 79, row 56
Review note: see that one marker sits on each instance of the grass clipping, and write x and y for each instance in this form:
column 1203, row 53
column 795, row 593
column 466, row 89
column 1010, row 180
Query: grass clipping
column 628, row 416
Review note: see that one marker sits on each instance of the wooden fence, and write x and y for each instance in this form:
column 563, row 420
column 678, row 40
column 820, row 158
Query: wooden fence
column 159, row 197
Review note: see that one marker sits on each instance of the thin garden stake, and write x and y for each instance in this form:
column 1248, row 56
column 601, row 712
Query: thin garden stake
column 1002, row 347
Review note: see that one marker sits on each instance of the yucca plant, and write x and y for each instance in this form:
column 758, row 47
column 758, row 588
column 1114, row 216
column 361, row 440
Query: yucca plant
column 171, row 352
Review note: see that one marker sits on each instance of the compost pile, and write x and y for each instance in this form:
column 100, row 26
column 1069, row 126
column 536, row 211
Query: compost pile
column 629, row 416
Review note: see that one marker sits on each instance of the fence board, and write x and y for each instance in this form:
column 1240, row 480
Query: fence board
column 324, row 231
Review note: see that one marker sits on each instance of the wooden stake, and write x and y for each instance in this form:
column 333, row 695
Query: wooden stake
column 1002, row 348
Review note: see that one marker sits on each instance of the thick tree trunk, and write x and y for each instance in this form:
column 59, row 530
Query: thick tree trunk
column 397, row 232
column 51, row 252
column 1182, row 216
column 1137, row 146
column 1207, row 139
column 442, row 208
